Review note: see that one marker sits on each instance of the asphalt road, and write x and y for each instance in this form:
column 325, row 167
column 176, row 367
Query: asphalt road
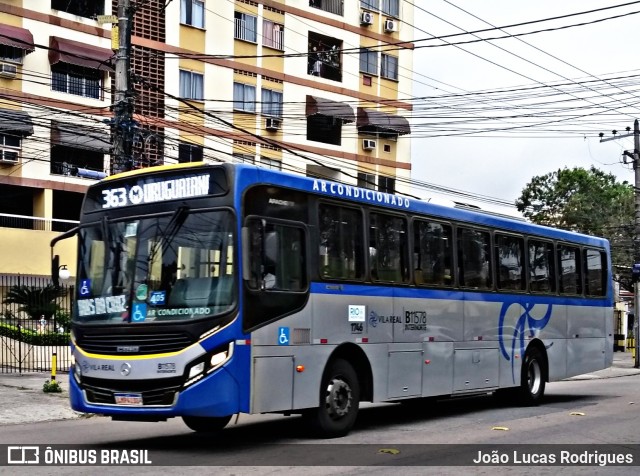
column 593, row 412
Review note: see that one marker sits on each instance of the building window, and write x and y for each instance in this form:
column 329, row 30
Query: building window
column 64, row 159
column 245, row 27
column 9, row 148
column 272, row 34
column 192, row 13
column 243, row 158
column 72, row 79
column 189, row 153
column 191, row 85
column 369, row 4
column 11, row 53
column 270, row 163
column 324, row 58
column 244, row 97
column 324, row 129
column 82, row 8
column 386, row 184
column 368, row 61
column 389, row 67
column 367, row 180
column 391, row 7
column 271, row 103
column 331, row 6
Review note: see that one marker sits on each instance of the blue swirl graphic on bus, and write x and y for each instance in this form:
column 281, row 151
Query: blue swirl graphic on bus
column 526, row 322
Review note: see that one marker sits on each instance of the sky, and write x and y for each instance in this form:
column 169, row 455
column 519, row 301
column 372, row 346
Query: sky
column 559, row 90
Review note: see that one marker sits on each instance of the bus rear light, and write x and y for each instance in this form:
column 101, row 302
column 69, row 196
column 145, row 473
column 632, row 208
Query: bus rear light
column 427, row 361
column 299, row 368
column 324, row 341
column 431, row 338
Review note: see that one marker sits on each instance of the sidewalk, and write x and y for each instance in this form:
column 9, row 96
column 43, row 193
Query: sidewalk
column 23, row 400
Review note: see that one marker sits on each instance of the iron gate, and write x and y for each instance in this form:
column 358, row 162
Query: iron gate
column 34, row 324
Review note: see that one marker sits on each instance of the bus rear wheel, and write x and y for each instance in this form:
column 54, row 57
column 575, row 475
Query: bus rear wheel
column 206, row 424
column 339, row 401
column 532, row 377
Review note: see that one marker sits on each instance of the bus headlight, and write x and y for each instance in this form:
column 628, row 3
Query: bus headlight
column 209, row 363
column 220, row 358
column 196, row 370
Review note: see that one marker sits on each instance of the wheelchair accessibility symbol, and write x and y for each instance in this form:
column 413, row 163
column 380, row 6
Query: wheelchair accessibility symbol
column 85, row 287
column 283, row 336
column 139, row 313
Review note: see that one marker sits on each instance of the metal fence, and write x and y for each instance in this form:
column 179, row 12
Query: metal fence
column 34, row 324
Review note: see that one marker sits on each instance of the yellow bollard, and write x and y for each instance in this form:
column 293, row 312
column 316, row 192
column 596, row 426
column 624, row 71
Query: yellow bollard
column 54, row 364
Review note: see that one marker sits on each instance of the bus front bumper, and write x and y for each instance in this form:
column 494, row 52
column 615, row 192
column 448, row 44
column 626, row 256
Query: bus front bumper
column 216, row 395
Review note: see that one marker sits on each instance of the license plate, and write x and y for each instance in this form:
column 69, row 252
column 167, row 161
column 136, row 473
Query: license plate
column 128, row 398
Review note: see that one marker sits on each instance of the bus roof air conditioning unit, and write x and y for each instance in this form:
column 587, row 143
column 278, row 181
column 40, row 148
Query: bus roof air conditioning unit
column 272, row 124
column 368, row 144
column 8, row 70
column 366, row 18
column 390, row 26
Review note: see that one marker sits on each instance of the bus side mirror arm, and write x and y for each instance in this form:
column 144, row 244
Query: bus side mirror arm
column 55, row 259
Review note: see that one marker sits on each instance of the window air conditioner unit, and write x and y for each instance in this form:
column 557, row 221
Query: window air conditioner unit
column 390, row 25
column 366, row 18
column 272, row 124
column 8, row 157
column 8, row 70
column 368, row 144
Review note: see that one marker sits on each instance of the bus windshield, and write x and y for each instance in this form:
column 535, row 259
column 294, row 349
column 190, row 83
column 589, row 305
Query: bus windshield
column 173, row 267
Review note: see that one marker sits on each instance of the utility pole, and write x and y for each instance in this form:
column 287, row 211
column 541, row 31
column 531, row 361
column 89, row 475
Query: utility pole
column 635, row 157
column 636, row 239
column 122, row 124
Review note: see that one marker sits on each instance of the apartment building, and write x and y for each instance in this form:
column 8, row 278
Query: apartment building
column 316, row 87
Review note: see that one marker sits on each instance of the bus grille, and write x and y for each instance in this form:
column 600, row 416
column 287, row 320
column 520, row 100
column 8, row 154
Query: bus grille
column 134, row 344
column 154, row 392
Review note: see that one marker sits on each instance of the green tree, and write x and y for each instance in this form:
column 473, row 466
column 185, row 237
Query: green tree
column 35, row 301
column 586, row 201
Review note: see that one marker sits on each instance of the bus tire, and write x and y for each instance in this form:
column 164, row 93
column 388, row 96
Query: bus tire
column 206, row 424
column 339, row 401
column 532, row 377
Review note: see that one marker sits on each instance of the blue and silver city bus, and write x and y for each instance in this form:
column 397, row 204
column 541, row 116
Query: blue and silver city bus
column 204, row 291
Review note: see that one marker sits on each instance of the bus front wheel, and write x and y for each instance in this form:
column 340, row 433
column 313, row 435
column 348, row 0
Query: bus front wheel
column 339, row 401
column 206, row 424
column 532, row 378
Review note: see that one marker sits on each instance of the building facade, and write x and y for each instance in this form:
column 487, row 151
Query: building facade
column 316, row 87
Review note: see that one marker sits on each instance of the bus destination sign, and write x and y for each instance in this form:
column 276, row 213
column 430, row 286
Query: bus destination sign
column 155, row 189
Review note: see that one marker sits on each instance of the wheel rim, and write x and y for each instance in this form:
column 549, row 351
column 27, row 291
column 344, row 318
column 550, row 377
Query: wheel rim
column 338, row 401
column 534, row 377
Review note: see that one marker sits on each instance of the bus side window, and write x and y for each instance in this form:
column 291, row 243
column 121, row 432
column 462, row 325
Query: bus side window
column 570, row 270
column 474, row 263
column 277, row 257
column 388, row 248
column 595, row 264
column 341, row 248
column 432, row 253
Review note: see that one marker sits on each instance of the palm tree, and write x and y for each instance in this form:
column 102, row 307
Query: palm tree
column 35, row 301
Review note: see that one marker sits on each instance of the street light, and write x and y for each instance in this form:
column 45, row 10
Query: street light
column 58, row 271
column 64, row 273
